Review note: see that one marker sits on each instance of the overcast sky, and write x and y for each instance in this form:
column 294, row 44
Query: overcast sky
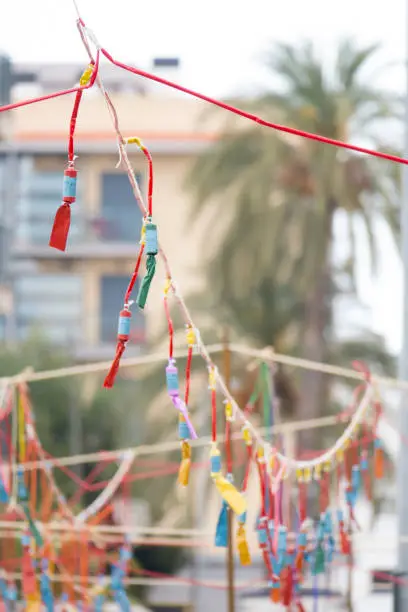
column 220, row 43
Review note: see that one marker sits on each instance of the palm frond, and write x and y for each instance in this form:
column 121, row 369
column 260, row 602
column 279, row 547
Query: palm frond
column 221, row 166
column 351, row 60
column 369, row 348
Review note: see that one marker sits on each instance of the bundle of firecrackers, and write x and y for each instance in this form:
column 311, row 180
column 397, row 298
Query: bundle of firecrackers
column 290, row 555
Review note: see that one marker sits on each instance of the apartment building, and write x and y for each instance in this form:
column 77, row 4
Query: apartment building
column 74, row 297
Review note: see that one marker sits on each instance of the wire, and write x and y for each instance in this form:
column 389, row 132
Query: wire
column 55, row 94
column 214, row 102
column 361, row 410
column 241, row 113
column 165, row 447
column 265, row 354
column 100, row 366
column 111, row 529
column 287, row 462
column 168, row 580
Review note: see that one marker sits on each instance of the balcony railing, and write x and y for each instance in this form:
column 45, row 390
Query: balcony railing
column 70, row 335
column 88, row 236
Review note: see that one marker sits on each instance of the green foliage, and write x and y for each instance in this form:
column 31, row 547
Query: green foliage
column 272, row 273
column 277, row 192
column 105, row 424
column 52, row 397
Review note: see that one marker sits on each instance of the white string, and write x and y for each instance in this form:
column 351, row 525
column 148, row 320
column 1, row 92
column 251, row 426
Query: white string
column 139, row 199
column 171, row 581
column 46, row 465
column 330, row 455
column 111, row 529
column 165, row 447
column 127, row 461
column 76, row 8
column 258, row 354
column 109, row 491
column 91, row 368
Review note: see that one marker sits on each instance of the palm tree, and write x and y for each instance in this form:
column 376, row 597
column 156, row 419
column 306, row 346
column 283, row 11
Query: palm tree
column 277, row 199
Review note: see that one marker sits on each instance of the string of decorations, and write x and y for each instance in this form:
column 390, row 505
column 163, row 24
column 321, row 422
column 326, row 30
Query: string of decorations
column 286, row 562
column 290, row 554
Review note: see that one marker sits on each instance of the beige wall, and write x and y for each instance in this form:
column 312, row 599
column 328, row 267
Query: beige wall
column 138, row 115
column 173, row 121
column 171, row 205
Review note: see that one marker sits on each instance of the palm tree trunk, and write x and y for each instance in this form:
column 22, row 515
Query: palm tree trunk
column 318, row 318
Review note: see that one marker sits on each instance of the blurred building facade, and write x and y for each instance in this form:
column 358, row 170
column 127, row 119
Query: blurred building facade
column 74, row 297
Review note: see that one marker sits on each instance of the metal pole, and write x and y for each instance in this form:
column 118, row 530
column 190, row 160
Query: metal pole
column 230, row 514
column 399, row 578
column 199, row 492
column 402, row 490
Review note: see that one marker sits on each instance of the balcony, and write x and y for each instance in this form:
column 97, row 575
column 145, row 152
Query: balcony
column 89, row 238
column 105, row 350
column 71, row 336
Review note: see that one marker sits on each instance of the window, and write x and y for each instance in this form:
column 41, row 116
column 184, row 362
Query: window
column 50, row 303
column 119, row 209
column 40, row 198
column 112, row 292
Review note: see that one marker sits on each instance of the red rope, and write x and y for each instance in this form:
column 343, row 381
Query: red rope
column 170, row 327
column 262, row 483
column 87, row 483
column 228, row 449
column 213, row 415
column 302, row 488
column 134, row 275
column 255, row 118
column 247, row 468
column 324, row 492
column 15, row 562
column 72, row 125
column 142, row 246
column 55, row 94
column 228, row 107
column 150, row 181
column 188, row 374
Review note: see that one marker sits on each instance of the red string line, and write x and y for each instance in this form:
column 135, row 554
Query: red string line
column 213, row 101
column 247, row 468
column 170, row 469
column 159, row 471
column 228, row 449
column 188, row 374
column 169, row 326
column 55, row 94
column 72, row 125
column 126, row 499
column 213, row 415
column 302, row 488
column 255, row 118
column 262, row 485
column 87, row 484
column 150, row 180
column 15, row 562
column 134, row 275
